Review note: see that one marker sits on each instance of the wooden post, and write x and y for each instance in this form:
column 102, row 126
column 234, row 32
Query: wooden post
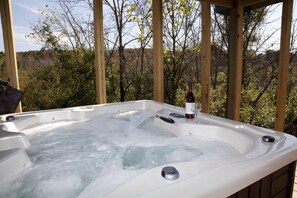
column 235, row 62
column 283, row 65
column 158, row 51
column 9, row 48
column 205, row 57
column 99, row 52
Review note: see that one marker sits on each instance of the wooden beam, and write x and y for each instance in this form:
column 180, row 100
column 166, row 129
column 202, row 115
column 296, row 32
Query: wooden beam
column 223, row 3
column 251, row 2
column 283, row 65
column 158, row 51
column 245, row 3
column 235, row 62
column 9, row 48
column 205, row 57
column 99, row 52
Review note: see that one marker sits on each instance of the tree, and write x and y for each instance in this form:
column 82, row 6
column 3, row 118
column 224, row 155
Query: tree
column 62, row 32
column 69, row 35
column 140, row 12
column 179, row 17
column 119, row 15
column 3, row 72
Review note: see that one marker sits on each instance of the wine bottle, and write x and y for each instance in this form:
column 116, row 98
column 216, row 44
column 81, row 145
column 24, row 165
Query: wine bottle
column 190, row 103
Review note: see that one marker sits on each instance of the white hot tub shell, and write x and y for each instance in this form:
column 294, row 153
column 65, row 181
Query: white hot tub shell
column 197, row 178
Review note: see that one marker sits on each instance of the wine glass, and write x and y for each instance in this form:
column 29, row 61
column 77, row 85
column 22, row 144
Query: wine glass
column 197, row 110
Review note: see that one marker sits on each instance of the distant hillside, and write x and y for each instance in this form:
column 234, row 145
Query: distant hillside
column 33, row 59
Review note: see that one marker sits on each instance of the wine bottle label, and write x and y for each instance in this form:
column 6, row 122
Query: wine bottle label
column 190, row 108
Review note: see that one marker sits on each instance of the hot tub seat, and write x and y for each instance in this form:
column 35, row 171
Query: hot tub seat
column 13, row 158
column 12, row 140
column 243, row 144
column 12, row 162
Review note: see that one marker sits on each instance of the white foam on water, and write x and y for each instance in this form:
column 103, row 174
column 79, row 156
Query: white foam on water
column 92, row 158
column 46, row 127
column 136, row 120
column 105, row 183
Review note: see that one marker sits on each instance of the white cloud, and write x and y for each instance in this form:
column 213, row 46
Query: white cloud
column 31, row 8
column 22, row 43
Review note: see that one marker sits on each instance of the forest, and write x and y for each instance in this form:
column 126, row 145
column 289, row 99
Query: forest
column 62, row 73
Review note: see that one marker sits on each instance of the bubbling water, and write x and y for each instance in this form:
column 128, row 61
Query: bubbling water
column 92, row 158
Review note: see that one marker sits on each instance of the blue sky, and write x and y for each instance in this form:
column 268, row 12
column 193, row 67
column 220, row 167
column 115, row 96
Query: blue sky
column 25, row 13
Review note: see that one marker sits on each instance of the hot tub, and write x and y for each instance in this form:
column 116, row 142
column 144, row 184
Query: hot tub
column 141, row 149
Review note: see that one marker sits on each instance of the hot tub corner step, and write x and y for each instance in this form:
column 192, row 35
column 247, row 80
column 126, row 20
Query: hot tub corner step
column 12, row 162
